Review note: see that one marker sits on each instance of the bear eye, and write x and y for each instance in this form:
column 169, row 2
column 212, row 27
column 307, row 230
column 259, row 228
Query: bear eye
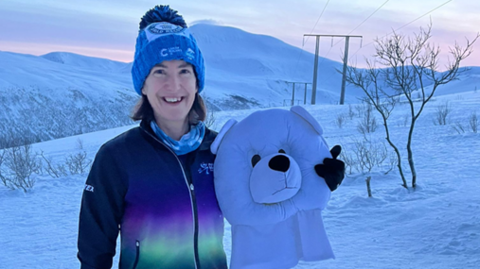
column 255, row 159
column 282, row 151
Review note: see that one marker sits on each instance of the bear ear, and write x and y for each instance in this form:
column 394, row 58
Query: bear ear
column 218, row 140
column 302, row 113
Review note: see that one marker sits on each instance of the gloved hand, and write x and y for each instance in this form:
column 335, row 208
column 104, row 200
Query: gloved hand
column 332, row 170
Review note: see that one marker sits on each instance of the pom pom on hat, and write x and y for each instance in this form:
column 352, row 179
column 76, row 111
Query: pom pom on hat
column 162, row 14
column 164, row 36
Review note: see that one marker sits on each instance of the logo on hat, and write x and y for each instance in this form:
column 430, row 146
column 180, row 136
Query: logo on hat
column 164, row 28
column 170, row 51
column 190, row 54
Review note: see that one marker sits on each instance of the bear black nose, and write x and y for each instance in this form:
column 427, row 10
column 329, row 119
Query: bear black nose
column 279, row 163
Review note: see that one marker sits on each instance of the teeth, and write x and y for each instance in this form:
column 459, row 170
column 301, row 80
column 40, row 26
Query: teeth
column 172, row 100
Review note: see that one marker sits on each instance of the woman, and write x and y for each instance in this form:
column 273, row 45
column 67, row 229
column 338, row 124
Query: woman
column 154, row 183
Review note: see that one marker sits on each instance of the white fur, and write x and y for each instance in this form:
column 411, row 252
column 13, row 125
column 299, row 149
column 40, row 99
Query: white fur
column 273, row 226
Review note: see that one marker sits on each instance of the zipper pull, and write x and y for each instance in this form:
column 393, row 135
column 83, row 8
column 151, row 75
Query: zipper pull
column 191, row 187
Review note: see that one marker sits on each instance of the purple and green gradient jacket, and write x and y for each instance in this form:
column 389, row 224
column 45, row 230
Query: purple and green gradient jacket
column 163, row 205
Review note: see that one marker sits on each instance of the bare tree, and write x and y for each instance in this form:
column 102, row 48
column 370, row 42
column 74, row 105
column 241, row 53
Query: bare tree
column 410, row 65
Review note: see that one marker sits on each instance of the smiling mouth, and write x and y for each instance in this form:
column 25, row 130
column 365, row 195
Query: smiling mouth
column 172, row 100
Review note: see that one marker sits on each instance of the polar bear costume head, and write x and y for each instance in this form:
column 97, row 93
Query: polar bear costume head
column 268, row 190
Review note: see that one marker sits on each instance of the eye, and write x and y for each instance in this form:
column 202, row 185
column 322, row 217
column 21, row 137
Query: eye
column 282, row 151
column 255, row 159
column 185, row 71
column 159, row 72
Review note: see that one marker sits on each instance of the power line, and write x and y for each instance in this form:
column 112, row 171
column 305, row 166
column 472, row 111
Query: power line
column 321, row 14
column 368, row 17
column 405, row 25
column 303, row 43
column 356, row 28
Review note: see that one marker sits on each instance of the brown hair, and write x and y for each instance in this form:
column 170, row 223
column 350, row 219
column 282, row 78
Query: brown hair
column 144, row 111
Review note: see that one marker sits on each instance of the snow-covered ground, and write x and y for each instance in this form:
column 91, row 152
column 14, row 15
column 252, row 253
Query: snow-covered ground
column 437, row 226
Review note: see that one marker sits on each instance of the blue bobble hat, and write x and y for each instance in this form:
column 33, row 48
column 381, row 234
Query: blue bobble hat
column 164, row 36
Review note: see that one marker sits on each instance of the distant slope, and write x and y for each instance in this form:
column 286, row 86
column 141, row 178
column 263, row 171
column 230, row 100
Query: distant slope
column 43, row 99
column 236, row 59
column 86, row 62
column 61, row 94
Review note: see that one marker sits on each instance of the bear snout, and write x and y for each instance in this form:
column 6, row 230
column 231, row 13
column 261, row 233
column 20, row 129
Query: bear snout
column 279, row 163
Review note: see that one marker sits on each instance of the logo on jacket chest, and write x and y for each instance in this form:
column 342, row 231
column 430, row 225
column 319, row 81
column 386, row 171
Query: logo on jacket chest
column 206, row 168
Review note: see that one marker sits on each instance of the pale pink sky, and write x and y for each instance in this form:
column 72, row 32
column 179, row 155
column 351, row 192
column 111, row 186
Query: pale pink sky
column 107, row 28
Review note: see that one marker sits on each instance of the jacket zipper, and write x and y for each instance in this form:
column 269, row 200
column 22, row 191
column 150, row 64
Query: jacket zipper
column 193, row 202
column 137, row 256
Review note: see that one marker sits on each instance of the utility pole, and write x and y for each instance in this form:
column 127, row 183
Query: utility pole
column 293, row 95
column 314, row 87
column 305, row 95
column 293, row 92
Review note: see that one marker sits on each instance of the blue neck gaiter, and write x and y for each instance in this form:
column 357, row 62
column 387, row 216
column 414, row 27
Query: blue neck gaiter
column 189, row 141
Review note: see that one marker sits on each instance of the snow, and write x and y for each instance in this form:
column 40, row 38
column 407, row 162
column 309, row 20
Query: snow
column 436, row 226
column 238, row 63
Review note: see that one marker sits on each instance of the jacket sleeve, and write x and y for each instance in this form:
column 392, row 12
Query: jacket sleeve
column 101, row 211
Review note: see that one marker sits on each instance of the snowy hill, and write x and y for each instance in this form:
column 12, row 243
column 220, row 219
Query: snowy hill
column 102, row 65
column 256, row 68
column 43, row 99
column 42, row 96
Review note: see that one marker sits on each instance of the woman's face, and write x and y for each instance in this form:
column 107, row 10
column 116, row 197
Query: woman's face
column 170, row 88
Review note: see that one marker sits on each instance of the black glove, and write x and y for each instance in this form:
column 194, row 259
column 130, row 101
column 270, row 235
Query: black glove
column 332, row 170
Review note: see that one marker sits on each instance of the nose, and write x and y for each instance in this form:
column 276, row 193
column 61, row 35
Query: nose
column 173, row 83
column 279, row 163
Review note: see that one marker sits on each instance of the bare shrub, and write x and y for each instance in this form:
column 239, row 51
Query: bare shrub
column 53, row 170
column 474, row 122
column 392, row 162
column 77, row 163
column 442, row 114
column 20, row 163
column 368, row 123
column 79, row 144
column 405, row 120
column 457, row 126
column 351, row 113
column 340, row 120
column 360, row 109
column 210, row 121
column 350, row 161
column 365, row 156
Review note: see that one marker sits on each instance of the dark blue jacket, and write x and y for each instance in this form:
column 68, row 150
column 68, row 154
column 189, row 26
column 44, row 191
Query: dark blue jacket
column 163, row 205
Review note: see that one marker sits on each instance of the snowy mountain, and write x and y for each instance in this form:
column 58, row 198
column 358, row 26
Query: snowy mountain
column 61, row 94
column 256, row 67
column 102, row 65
